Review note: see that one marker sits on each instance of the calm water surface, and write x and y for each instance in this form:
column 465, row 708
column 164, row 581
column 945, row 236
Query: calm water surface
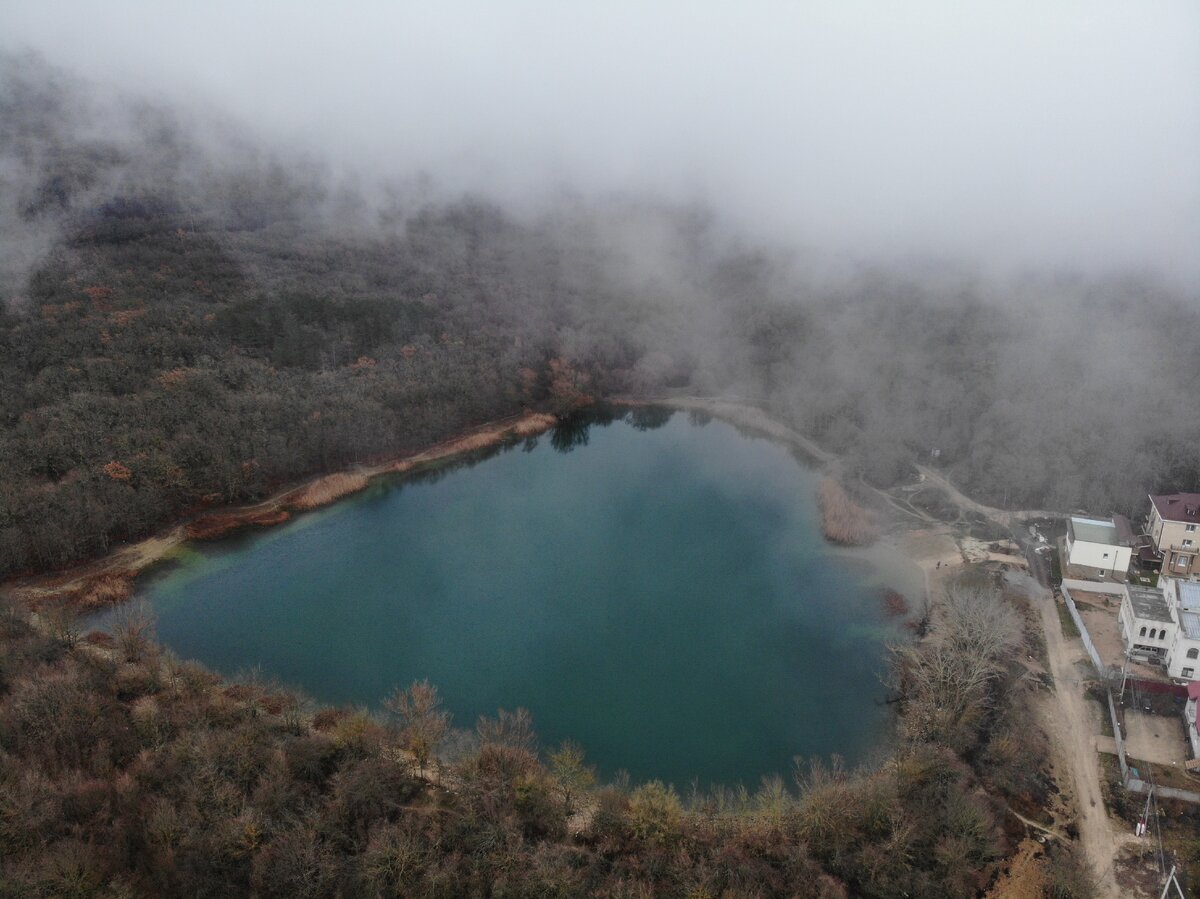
column 661, row 595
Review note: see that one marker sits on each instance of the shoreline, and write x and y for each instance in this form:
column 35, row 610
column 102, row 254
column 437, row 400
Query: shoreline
column 109, row 579
column 931, row 547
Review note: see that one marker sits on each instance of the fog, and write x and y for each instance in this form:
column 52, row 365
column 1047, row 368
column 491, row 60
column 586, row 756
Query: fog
column 1005, row 134
column 238, row 248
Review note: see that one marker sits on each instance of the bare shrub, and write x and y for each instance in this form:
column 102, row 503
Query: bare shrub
column 395, row 859
column 133, row 631
column 511, row 729
column 14, row 617
column 359, row 734
column 572, row 775
column 422, row 722
column 655, row 814
column 295, row 863
column 842, row 519
column 1069, row 874
column 106, row 590
column 62, row 621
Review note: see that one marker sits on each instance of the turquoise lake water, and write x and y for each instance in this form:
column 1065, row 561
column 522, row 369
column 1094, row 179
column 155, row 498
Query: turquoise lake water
column 659, row 593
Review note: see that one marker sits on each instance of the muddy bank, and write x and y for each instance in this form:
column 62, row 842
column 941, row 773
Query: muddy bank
column 110, row 579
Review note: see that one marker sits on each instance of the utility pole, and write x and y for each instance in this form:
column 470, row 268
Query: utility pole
column 1124, row 676
column 1171, row 879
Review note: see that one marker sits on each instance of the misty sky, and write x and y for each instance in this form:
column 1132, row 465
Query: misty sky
column 1018, row 132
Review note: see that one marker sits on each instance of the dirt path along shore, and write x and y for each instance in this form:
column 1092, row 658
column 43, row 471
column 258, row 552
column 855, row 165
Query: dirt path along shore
column 1066, row 717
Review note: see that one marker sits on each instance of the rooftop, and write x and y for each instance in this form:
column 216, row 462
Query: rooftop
column 1190, row 622
column 1178, row 507
column 1149, row 604
column 1189, row 596
column 1101, row 530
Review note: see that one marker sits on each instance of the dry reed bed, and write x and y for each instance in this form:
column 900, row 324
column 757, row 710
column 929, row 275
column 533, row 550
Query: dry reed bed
column 842, row 519
column 218, row 524
column 326, row 490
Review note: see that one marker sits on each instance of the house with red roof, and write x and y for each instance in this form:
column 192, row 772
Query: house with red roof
column 1174, row 526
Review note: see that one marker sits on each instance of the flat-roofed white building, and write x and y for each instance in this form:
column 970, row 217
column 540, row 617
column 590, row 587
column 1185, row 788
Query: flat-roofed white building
column 1148, row 623
column 1183, row 658
column 1189, row 716
column 1100, row 543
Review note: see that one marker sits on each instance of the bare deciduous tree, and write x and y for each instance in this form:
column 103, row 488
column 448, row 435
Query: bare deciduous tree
column 423, row 723
column 571, row 773
column 133, row 630
column 948, row 681
column 511, row 729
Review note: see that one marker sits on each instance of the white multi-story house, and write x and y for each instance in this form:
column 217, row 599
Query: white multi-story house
column 1174, row 526
column 1189, row 716
column 1105, row 544
column 1148, row 623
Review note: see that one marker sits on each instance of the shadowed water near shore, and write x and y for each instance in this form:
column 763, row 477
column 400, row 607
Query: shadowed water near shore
column 655, row 589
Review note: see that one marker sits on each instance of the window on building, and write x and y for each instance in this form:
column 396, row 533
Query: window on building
column 1193, row 653
column 1188, row 543
column 1187, row 672
column 1142, row 632
column 1190, row 528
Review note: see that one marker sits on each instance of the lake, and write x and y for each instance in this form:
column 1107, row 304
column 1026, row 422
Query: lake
column 653, row 587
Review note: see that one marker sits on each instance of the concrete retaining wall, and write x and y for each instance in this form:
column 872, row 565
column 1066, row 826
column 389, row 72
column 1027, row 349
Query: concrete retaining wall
column 1140, row 786
column 1118, row 738
column 1083, row 633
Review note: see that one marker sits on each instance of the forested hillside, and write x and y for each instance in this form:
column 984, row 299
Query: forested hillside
column 126, row 772
column 190, row 320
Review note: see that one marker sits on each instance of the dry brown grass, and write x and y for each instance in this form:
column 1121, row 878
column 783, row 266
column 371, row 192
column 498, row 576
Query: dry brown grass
column 323, row 491
column 471, row 442
column 534, row 424
column 210, row 527
column 842, row 519
column 105, row 590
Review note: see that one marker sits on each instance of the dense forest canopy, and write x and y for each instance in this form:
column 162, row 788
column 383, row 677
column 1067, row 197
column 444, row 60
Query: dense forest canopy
column 191, row 319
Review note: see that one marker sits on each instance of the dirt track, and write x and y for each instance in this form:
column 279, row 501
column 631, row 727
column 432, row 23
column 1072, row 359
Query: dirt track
column 1001, row 516
column 1066, row 718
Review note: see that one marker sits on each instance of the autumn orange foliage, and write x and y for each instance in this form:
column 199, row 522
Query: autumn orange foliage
column 176, row 377
column 218, row 524
column 117, row 471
